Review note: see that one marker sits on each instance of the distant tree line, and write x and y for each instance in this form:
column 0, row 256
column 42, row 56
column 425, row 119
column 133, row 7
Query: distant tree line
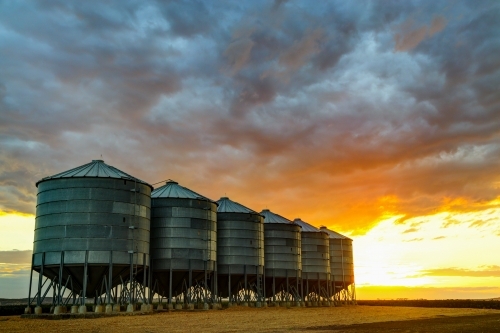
column 441, row 303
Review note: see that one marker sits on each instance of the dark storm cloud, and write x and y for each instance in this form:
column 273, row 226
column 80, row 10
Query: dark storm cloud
column 325, row 111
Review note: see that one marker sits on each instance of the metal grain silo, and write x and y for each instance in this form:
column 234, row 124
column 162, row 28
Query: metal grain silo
column 341, row 267
column 282, row 254
column 92, row 230
column 315, row 262
column 240, row 251
column 183, row 240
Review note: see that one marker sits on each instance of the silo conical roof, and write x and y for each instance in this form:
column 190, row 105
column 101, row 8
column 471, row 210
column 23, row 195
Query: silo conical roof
column 172, row 189
column 228, row 206
column 306, row 226
column 270, row 217
column 94, row 169
column 333, row 234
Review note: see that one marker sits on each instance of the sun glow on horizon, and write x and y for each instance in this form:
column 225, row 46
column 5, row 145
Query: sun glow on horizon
column 17, row 231
column 445, row 250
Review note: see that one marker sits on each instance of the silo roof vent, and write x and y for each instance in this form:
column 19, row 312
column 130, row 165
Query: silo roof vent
column 306, row 226
column 172, row 189
column 94, row 169
column 333, row 234
column 226, row 205
column 270, row 217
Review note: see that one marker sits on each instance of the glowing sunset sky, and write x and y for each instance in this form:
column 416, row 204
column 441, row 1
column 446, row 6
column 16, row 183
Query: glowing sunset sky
column 378, row 119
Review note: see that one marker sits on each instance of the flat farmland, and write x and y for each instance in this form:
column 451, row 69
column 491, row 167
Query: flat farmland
column 239, row 319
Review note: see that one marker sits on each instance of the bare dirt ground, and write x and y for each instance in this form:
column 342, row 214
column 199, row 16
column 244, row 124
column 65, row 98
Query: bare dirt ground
column 238, row 319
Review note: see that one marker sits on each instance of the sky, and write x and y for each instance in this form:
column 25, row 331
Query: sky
column 378, row 119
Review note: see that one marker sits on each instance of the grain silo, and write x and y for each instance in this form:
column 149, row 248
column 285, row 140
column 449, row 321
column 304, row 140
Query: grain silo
column 282, row 255
column 315, row 263
column 183, row 243
column 342, row 267
column 240, row 252
column 91, row 233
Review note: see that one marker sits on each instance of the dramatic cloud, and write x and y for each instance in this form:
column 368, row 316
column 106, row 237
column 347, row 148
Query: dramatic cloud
column 305, row 109
column 410, row 37
column 490, row 271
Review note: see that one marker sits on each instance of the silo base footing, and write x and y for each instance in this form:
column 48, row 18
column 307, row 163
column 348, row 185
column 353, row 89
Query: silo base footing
column 297, row 304
column 159, row 307
column 190, row 306
column 144, row 307
column 178, row 306
column 58, row 310
column 82, row 309
column 170, row 306
column 309, row 304
column 98, row 309
column 109, row 308
column 229, row 304
column 130, row 308
column 244, row 304
column 27, row 310
column 205, row 306
column 74, row 309
column 38, row 310
column 258, row 304
column 116, row 308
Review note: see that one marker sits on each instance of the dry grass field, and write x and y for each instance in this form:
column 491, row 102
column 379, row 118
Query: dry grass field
column 240, row 319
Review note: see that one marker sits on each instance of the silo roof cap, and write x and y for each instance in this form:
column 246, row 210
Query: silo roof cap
column 172, row 189
column 226, row 205
column 270, row 217
column 94, row 169
column 333, row 234
column 306, row 226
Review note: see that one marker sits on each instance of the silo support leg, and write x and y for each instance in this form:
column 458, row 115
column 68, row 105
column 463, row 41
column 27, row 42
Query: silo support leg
column 188, row 293
column 170, row 286
column 144, row 276
column 110, row 283
column 307, row 289
column 130, row 306
column 205, row 287
column 59, row 280
column 328, row 288
column 40, row 277
column 264, row 288
column 274, row 287
column 287, row 287
column 319, row 289
column 245, row 290
column 28, row 308
column 297, row 282
column 150, row 293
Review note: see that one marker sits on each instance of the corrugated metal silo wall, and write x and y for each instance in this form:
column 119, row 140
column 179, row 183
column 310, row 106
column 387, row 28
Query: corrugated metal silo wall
column 91, row 218
column 183, row 238
column 240, row 248
column 341, row 262
column 315, row 255
column 282, row 247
